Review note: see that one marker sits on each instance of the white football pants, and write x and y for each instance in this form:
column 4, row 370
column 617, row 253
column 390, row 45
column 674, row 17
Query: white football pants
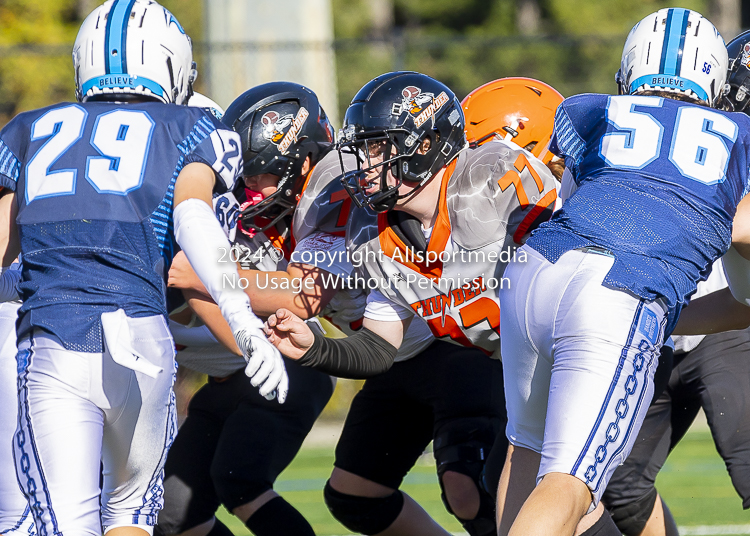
column 82, row 415
column 15, row 517
column 579, row 360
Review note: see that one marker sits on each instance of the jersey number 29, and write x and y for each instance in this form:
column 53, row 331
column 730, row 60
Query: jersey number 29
column 122, row 138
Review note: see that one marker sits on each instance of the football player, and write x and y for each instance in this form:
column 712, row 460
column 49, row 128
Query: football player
column 208, row 465
column 659, row 176
column 444, row 209
column 234, row 442
column 98, row 192
column 389, row 423
column 710, row 372
column 15, row 515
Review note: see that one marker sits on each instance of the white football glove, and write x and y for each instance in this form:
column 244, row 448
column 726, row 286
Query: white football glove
column 265, row 366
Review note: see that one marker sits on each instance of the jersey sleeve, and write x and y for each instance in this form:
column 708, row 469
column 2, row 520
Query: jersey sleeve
column 382, row 309
column 325, row 205
column 220, row 149
column 544, row 190
column 12, row 139
column 739, row 159
column 566, row 141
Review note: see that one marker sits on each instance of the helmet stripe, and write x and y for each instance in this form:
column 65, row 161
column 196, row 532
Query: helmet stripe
column 674, row 41
column 116, row 36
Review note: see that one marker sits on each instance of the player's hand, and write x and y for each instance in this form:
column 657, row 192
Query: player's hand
column 265, row 366
column 182, row 276
column 289, row 333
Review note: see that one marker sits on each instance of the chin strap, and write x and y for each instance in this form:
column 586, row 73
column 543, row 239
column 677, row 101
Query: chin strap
column 253, row 198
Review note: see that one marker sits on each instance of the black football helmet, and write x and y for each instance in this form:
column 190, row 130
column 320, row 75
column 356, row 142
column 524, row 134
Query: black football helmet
column 737, row 90
column 395, row 114
column 280, row 124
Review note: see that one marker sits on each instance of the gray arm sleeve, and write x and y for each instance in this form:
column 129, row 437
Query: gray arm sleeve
column 360, row 356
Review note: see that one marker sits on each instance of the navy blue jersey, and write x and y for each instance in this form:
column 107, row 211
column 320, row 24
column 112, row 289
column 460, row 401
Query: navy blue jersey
column 94, row 185
column 658, row 185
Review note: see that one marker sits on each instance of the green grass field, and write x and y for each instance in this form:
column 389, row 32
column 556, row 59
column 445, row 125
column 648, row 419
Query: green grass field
column 694, row 483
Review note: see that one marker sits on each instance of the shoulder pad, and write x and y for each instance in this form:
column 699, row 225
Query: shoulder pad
column 325, row 204
column 361, row 228
column 492, row 191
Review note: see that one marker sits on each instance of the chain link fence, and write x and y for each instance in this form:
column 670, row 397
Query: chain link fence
column 38, row 75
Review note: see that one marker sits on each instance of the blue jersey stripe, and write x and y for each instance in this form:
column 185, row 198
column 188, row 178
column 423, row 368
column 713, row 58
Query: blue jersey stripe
column 674, row 41
column 161, row 218
column 568, row 140
column 9, row 164
column 116, row 36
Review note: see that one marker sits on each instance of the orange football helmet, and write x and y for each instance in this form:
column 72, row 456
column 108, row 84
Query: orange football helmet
column 518, row 109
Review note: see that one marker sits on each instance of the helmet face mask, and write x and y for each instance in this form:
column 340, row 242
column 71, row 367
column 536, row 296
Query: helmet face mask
column 737, row 90
column 133, row 49
column 379, row 156
column 415, row 122
column 652, row 58
column 280, row 124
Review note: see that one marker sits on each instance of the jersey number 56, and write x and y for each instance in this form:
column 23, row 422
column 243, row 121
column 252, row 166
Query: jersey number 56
column 698, row 147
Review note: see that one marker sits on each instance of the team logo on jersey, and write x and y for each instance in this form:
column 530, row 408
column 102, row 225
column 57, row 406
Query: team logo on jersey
column 283, row 130
column 746, row 55
column 421, row 106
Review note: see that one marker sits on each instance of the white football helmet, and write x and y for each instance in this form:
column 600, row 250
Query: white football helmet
column 127, row 47
column 199, row 100
column 674, row 50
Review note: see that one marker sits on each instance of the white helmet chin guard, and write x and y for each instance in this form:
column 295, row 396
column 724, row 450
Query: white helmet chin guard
column 674, row 50
column 133, row 47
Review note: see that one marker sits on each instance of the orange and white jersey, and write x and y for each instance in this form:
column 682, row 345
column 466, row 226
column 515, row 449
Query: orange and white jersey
column 319, row 227
column 490, row 199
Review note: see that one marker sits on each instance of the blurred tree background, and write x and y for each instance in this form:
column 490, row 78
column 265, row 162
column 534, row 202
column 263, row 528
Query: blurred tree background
column 575, row 45
column 36, row 41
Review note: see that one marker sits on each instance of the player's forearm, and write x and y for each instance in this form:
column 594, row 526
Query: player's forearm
column 360, row 356
column 713, row 313
column 210, row 314
column 741, row 228
column 200, row 236
column 10, row 245
column 301, row 291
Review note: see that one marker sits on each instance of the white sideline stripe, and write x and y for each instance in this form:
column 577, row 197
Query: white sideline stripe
column 695, row 530
column 709, row 530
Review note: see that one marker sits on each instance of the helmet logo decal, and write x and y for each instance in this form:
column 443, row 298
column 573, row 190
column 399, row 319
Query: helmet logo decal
column 746, row 55
column 274, row 125
column 170, row 19
column 283, row 130
column 421, row 106
column 430, row 111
